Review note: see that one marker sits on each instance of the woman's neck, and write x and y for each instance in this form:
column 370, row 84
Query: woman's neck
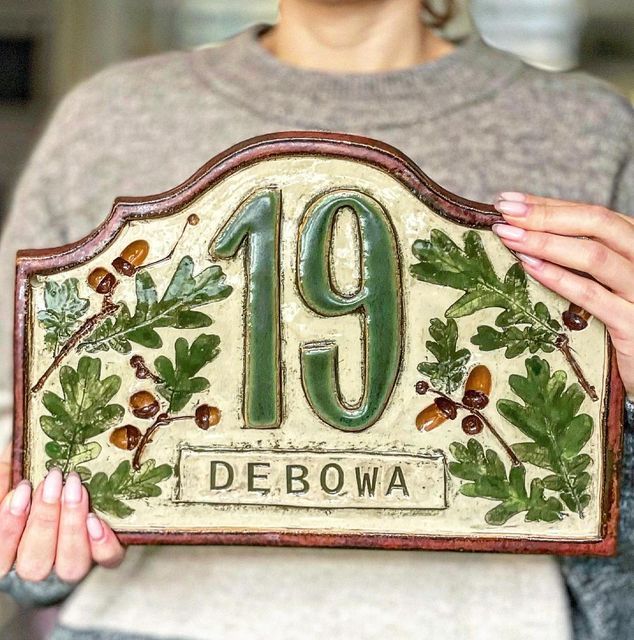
column 353, row 36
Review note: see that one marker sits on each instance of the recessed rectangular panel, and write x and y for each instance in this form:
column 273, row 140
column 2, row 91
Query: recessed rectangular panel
column 311, row 479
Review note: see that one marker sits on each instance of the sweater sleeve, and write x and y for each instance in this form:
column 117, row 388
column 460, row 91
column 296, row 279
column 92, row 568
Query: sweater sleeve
column 35, row 219
column 602, row 589
column 36, row 594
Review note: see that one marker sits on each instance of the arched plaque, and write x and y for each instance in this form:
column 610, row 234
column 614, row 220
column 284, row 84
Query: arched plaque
column 309, row 342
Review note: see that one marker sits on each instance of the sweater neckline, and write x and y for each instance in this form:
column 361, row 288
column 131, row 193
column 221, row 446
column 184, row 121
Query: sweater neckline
column 245, row 72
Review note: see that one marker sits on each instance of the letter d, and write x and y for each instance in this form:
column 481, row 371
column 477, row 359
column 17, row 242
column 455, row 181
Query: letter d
column 214, row 486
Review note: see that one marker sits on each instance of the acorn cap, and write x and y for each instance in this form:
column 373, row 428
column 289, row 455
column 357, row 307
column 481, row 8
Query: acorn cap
column 447, row 407
column 123, row 267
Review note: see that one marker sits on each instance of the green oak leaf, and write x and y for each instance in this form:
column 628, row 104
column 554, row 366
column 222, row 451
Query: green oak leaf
column 449, row 369
column 175, row 308
column 487, row 478
column 63, row 309
column 525, row 327
column 107, row 494
column 515, row 340
column 549, row 416
column 80, row 414
column 179, row 379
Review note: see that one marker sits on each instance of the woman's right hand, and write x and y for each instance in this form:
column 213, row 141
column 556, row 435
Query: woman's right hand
column 51, row 527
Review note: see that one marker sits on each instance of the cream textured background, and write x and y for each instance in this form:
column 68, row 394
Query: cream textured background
column 301, row 179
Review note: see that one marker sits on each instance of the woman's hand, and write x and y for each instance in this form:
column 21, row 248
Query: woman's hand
column 585, row 253
column 51, row 527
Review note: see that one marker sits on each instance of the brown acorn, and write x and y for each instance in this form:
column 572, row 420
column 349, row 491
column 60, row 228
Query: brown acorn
column 477, row 388
column 131, row 258
column 430, row 418
column 126, row 437
column 207, row 416
column 575, row 318
column 472, row 425
column 144, row 405
column 101, row 281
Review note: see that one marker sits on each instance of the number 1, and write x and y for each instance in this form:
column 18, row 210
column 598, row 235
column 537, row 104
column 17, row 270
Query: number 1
column 256, row 225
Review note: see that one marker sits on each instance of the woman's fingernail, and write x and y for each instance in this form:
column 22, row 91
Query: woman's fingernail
column 95, row 528
column 508, row 232
column 52, row 490
column 21, row 498
column 72, row 489
column 513, row 196
column 512, row 208
column 529, row 260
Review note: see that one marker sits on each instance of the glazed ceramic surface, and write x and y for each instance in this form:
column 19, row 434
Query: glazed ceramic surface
column 311, row 343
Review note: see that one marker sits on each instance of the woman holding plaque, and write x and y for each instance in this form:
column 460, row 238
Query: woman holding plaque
column 554, row 150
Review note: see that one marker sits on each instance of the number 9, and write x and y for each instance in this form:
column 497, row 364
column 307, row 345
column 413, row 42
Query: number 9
column 378, row 302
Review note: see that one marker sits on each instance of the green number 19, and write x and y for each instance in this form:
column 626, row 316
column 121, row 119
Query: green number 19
column 377, row 303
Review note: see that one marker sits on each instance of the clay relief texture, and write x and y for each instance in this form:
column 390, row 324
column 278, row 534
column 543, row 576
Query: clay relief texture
column 540, row 473
column 542, row 407
column 91, row 404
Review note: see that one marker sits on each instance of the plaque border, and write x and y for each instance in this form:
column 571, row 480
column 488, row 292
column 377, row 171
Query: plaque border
column 380, row 155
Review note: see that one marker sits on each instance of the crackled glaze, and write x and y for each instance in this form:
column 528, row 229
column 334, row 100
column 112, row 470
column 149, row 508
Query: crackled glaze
column 319, row 327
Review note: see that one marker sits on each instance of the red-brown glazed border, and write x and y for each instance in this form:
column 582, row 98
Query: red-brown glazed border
column 449, row 205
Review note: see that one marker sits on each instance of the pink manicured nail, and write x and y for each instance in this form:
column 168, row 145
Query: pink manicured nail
column 21, row 498
column 512, row 208
column 52, row 490
column 529, row 260
column 95, row 528
column 513, row 196
column 508, row 232
column 72, row 489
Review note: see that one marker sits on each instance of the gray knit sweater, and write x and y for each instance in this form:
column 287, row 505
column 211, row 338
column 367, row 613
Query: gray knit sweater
column 477, row 121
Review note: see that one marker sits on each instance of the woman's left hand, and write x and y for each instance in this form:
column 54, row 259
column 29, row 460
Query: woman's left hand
column 558, row 241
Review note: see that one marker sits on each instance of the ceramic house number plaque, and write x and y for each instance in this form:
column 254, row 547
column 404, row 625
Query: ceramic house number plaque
column 310, row 342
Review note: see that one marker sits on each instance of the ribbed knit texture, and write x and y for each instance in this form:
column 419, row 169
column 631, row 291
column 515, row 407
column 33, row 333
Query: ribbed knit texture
column 477, row 121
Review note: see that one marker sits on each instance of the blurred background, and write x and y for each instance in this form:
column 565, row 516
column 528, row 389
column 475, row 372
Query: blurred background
column 47, row 46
